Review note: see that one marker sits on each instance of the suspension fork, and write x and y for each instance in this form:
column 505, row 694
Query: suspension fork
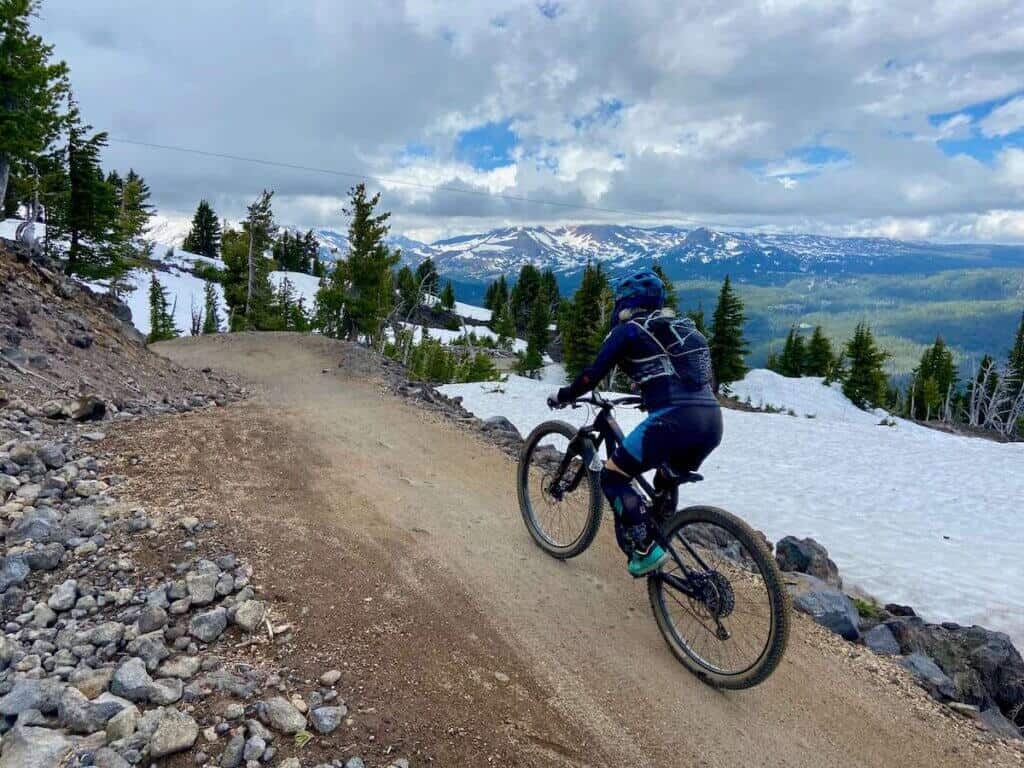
column 583, row 445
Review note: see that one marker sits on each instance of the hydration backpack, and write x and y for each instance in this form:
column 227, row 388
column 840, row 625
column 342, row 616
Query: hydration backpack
column 684, row 350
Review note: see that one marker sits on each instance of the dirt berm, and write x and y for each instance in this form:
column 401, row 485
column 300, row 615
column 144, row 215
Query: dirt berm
column 392, row 538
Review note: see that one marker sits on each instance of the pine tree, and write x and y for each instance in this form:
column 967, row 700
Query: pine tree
column 728, row 347
column 933, row 382
column 585, row 320
column 408, row 289
column 31, row 90
column 91, row 201
column 820, row 359
column 211, row 309
column 161, row 320
column 204, row 236
column 1015, row 362
column 524, row 296
column 864, row 382
column 671, row 296
column 358, row 296
column 129, row 245
column 792, row 360
column 448, row 297
column 538, row 336
column 426, row 275
column 259, row 224
column 697, row 315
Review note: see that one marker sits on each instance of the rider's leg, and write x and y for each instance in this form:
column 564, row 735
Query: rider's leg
column 631, row 520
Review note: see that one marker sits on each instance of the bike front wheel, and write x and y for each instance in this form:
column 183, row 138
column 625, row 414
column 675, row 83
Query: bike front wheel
column 559, row 495
column 724, row 612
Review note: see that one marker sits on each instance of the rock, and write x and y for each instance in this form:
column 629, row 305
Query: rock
column 234, row 711
column 23, row 453
column 282, row 716
column 122, row 725
column 28, row 747
column 63, row 596
column 881, row 640
column 184, row 667
column 151, row 618
column 79, row 715
column 45, row 557
column 254, row 747
column 999, row 724
column 249, row 615
column 87, row 408
column 84, row 521
column 291, row 762
column 107, row 633
column 80, row 339
column 29, row 693
column 500, row 424
column 52, row 455
column 14, row 569
column 355, row 762
column 202, row 587
column 329, row 678
column 502, row 678
column 132, row 681
column 175, row 732
column 984, row 665
column 807, row 556
column 825, row 604
column 150, row 648
column 92, row 682
column 105, row 757
column 929, row 676
column 326, row 719
column 232, row 756
column 43, row 616
column 207, row 627
column 89, row 488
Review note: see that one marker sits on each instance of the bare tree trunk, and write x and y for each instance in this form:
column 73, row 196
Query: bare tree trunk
column 5, row 172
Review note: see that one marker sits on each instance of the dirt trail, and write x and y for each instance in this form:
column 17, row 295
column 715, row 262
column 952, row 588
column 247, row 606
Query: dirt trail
column 577, row 637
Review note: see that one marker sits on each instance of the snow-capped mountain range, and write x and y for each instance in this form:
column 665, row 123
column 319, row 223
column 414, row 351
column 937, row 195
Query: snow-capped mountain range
column 684, row 253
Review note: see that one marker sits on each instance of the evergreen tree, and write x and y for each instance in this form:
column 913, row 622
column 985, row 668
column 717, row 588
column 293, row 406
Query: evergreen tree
column 408, row 289
column 133, row 213
column 259, row 225
column 524, row 296
column 426, row 276
column 728, row 347
column 697, row 315
column 549, row 292
column 585, row 320
column 161, row 320
column 864, row 381
column 933, row 382
column 791, row 361
column 358, row 296
column 1015, row 362
column 538, row 336
column 820, row 359
column 91, row 201
column 448, row 297
column 31, row 90
column 211, row 309
column 671, row 296
column 204, row 236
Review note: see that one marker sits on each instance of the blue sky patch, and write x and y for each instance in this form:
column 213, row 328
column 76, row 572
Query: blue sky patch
column 550, row 8
column 602, row 113
column 976, row 144
column 801, row 162
column 487, row 146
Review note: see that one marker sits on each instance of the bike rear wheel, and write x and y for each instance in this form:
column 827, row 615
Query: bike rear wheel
column 725, row 615
column 559, row 495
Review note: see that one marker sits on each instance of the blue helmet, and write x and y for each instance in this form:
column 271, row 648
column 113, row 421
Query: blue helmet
column 643, row 290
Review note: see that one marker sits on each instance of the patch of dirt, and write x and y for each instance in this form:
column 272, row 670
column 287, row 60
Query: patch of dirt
column 424, row 673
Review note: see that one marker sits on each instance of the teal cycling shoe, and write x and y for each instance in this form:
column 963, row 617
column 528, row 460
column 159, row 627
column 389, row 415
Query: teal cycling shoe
column 642, row 564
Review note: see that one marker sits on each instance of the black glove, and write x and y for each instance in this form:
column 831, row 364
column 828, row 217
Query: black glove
column 554, row 402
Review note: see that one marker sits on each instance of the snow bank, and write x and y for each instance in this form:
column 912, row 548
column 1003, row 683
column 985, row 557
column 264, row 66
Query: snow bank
column 447, row 337
column 913, row 516
column 468, row 311
column 807, row 396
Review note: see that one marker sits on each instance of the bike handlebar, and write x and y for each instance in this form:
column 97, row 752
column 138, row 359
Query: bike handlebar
column 596, row 398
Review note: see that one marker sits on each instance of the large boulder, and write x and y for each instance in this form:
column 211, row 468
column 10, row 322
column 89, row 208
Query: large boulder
column 281, row 715
column 807, row 556
column 14, row 569
column 41, row 525
column 29, row 747
column 929, row 676
column 208, row 626
column 175, row 732
column 825, row 604
column 30, row 693
column 881, row 640
column 985, row 667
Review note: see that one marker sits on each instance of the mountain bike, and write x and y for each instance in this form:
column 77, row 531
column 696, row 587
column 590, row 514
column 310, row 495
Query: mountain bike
column 719, row 600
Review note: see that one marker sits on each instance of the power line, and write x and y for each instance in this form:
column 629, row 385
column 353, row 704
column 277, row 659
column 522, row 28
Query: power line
column 385, row 180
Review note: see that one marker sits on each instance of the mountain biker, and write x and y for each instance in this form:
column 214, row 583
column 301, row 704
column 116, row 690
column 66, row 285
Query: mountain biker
column 668, row 359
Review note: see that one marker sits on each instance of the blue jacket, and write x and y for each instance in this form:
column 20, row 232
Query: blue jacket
column 632, row 349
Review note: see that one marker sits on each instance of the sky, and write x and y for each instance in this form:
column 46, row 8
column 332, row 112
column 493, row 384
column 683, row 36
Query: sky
column 848, row 117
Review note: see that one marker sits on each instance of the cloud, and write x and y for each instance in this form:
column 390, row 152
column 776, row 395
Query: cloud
column 1005, row 119
column 658, row 109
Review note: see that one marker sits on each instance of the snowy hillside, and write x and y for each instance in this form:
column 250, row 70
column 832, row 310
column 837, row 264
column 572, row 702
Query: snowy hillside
column 807, row 396
column 685, row 253
column 911, row 515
